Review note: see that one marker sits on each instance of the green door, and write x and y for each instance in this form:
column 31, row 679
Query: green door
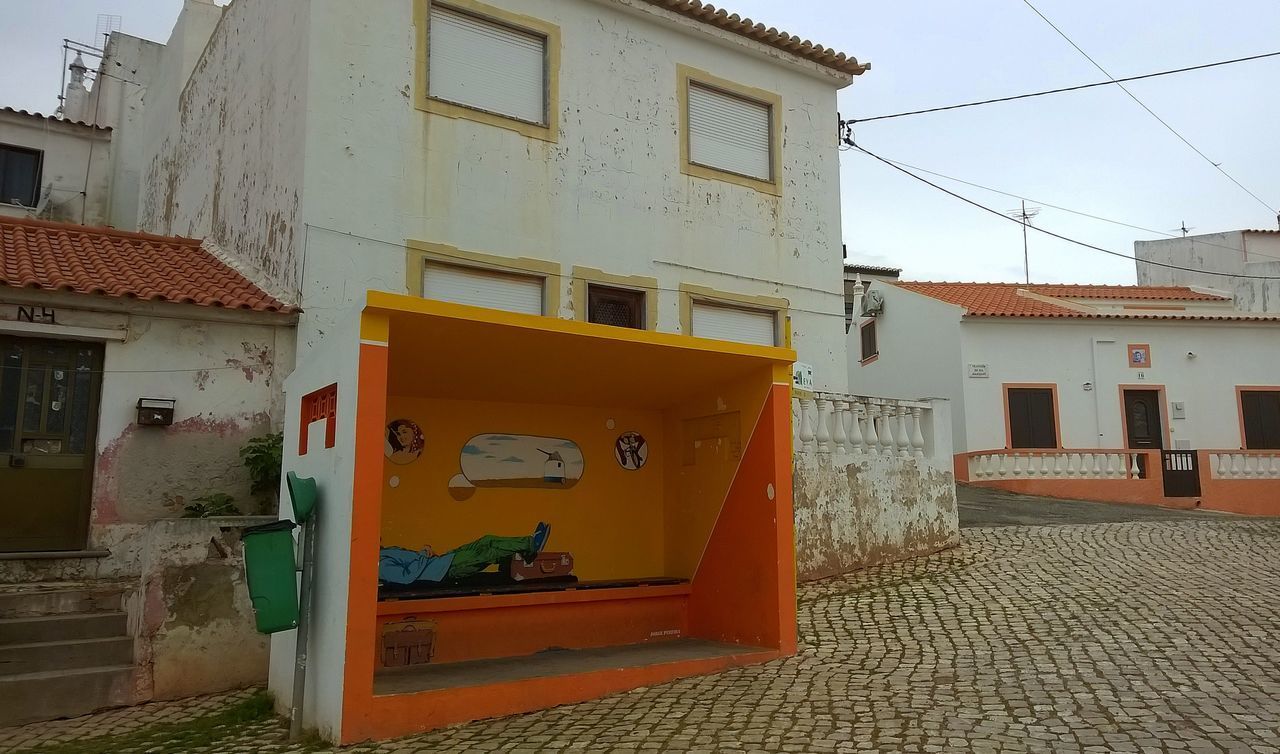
column 48, row 421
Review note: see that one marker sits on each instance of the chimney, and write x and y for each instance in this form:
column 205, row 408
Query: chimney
column 76, row 99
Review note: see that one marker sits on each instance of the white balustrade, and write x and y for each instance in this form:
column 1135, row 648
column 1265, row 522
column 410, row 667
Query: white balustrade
column 1005, row 465
column 1227, row 464
column 840, row 423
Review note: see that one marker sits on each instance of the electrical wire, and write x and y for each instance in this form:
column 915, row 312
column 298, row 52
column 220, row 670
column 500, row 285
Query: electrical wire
column 1073, row 211
column 1109, row 82
column 1163, row 122
column 1038, row 229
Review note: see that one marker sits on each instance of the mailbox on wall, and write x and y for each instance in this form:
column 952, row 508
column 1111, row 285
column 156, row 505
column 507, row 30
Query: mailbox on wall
column 156, row 412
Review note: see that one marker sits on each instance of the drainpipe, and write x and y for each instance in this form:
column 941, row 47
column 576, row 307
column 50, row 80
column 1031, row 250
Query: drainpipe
column 1097, row 402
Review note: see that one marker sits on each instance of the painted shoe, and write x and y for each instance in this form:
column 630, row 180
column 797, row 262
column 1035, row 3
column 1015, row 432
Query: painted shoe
column 541, row 534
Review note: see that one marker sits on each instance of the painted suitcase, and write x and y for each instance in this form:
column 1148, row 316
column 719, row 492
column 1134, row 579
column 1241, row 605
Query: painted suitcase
column 408, row 642
column 548, row 565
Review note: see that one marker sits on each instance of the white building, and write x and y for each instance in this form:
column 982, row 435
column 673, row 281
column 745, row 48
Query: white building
column 1057, row 382
column 1245, row 264
column 626, row 162
column 54, row 169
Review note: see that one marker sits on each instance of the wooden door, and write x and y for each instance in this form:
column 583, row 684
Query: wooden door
column 1143, row 425
column 48, row 424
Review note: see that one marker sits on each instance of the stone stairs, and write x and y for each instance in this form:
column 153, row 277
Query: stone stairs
column 65, row 650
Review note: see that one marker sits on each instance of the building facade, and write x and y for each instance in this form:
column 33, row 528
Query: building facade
column 133, row 369
column 54, row 169
column 1091, row 392
column 633, row 169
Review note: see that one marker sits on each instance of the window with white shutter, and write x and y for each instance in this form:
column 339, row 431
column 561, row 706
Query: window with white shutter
column 739, row 324
column 480, row 287
column 730, row 132
column 489, row 65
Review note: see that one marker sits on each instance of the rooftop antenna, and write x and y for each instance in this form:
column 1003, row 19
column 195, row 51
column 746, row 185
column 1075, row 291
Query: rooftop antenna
column 1184, row 230
column 1024, row 216
column 106, row 24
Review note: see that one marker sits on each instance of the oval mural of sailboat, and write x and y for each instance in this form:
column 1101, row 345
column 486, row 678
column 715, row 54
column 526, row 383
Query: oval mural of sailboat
column 528, row 461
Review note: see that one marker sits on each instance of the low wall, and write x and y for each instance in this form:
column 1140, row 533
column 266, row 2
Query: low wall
column 872, row 481
column 193, row 618
column 854, row 511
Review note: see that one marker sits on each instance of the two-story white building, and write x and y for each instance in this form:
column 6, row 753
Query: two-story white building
column 651, row 164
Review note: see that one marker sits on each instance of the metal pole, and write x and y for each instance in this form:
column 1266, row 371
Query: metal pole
column 304, row 628
column 1026, row 263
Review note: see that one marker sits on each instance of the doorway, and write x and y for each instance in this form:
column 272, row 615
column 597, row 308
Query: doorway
column 1144, row 428
column 48, row 426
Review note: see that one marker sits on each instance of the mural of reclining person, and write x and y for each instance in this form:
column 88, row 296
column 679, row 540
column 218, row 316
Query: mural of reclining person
column 397, row 565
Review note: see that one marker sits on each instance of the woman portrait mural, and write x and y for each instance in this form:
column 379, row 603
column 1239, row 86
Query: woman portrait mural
column 404, row 442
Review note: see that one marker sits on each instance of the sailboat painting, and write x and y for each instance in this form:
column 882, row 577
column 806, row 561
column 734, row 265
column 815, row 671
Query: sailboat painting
column 521, row 461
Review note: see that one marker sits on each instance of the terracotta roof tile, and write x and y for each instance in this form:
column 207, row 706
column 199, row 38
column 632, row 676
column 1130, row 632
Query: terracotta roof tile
column 803, row 48
column 54, row 118
column 65, row 257
column 1011, row 300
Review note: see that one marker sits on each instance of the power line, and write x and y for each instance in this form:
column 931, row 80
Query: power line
column 1109, row 82
column 1058, row 236
column 1061, row 208
column 1172, row 130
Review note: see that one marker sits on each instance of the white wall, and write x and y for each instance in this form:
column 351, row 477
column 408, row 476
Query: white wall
column 118, row 100
column 920, row 354
column 225, row 156
column 76, row 172
column 1252, row 259
column 609, row 194
column 335, row 360
column 225, row 371
column 1227, row 354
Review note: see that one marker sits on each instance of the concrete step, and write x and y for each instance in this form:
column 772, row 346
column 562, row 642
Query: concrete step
column 33, row 697
column 47, row 628
column 30, row 600
column 74, row 654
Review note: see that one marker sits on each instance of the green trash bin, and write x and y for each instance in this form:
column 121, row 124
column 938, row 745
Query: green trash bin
column 271, row 572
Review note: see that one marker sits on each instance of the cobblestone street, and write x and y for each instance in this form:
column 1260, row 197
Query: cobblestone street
column 1116, row 637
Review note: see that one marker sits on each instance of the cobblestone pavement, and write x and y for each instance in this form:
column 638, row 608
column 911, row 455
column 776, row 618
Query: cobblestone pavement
column 1121, row 637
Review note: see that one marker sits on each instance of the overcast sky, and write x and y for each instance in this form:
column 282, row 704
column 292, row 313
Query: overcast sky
column 1094, row 151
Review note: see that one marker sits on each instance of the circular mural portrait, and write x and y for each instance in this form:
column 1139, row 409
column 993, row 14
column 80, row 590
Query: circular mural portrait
column 404, row 442
column 631, row 450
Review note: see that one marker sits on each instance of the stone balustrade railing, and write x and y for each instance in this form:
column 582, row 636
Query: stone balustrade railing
column 1226, row 464
column 841, row 423
column 1003, row 465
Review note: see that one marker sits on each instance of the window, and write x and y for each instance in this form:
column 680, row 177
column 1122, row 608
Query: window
column 492, row 66
column 739, row 324
column 869, row 348
column 1032, row 417
column 1260, row 413
column 480, row 287
column 620, row 307
column 19, row 175
column 729, row 132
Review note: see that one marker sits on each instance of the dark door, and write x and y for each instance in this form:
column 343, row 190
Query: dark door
column 48, row 419
column 1031, row 418
column 1142, row 419
column 1181, row 473
column 1261, row 410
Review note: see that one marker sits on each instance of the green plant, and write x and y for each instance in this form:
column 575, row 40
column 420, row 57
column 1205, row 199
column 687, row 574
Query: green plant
column 216, row 504
column 264, row 456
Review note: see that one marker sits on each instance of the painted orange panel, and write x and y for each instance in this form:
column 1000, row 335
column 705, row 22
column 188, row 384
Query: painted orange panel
column 523, row 630
column 744, row 591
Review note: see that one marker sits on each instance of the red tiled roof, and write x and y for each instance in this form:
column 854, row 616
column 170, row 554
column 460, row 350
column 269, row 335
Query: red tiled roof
column 65, row 257
column 54, row 118
column 1009, row 300
column 803, row 48
column 1124, row 292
